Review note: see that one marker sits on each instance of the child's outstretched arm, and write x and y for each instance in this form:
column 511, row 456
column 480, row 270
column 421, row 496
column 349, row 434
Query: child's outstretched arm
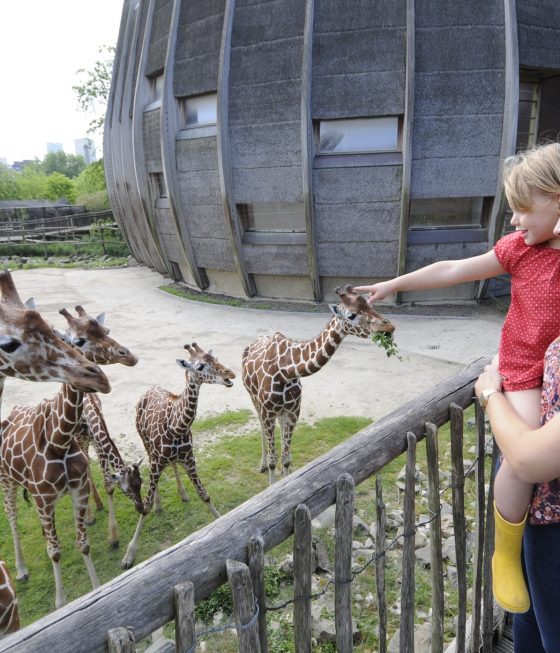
column 437, row 275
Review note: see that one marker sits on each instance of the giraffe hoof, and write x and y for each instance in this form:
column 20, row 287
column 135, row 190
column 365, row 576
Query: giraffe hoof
column 126, row 565
column 263, row 469
column 114, row 544
column 90, row 521
column 23, row 577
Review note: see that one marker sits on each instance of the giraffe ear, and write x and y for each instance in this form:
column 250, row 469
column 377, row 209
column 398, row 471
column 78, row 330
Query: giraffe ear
column 62, row 336
column 334, row 309
column 30, row 303
column 137, row 465
column 185, row 365
column 100, row 319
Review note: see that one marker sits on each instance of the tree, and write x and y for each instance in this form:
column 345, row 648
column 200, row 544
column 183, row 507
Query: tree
column 60, row 187
column 32, row 182
column 92, row 179
column 92, row 93
column 9, row 189
column 68, row 165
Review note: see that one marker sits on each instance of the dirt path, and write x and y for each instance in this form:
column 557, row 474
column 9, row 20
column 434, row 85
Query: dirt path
column 359, row 380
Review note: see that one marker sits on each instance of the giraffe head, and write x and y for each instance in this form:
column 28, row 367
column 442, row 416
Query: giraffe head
column 31, row 350
column 88, row 334
column 204, row 368
column 130, row 483
column 356, row 316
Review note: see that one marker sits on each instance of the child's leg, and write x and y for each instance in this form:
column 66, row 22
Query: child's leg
column 512, row 497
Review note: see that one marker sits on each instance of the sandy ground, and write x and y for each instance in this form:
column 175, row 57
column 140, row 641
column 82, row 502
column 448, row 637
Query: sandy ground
column 359, row 380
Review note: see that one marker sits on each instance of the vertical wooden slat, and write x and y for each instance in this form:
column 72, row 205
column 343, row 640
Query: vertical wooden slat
column 436, row 564
column 184, row 617
column 479, row 532
column 120, row 640
column 380, row 543
column 343, row 562
column 408, row 587
column 302, row 580
column 243, row 606
column 488, row 600
column 459, row 524
column 256, row 569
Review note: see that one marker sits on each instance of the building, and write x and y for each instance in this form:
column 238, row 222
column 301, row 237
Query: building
column 281, row 148
column 86, row 148
column 54, row 147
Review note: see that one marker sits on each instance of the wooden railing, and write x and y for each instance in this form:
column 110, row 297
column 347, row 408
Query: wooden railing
column 167, row 586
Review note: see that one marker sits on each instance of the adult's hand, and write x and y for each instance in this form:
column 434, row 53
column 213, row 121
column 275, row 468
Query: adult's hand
column 489, row 379
column 377, row 291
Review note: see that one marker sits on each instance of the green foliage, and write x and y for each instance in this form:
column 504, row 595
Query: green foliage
column 60, row 187
column 32, row 183
column 9, row 189
column 97, row 201
column 68, row 165
column 386, row 342
column 92, row 91
column 92, row 178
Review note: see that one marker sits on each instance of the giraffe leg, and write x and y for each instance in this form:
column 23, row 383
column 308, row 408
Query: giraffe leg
column 268, row 458
column 9, row 614
column 10, row 507
column 190, row 468
column 288, row 422
column 112, row 522
column 46, row 514
column 90, row 517
column 79, row 502
column 132, row 548
column 180, row 486
column 157, row 501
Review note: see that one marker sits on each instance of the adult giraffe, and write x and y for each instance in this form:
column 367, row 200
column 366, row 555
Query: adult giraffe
column 40, row 453
column 273, row 366
column 31, row 350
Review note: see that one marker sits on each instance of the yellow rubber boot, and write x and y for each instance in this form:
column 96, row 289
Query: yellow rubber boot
column 508, row 582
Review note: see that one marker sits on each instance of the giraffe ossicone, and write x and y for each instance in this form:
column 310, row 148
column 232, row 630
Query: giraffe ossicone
column 273, row 366
column 163, row 422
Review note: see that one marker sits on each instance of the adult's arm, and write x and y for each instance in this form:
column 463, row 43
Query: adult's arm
column 533, row 454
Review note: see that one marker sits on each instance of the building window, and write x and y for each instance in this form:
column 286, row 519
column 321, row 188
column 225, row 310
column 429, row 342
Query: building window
column 201, row 110
column 527, row 123
column 450, row 212
column 158, row 182
column 359, row 135
column 156, row 88
column 288, row 218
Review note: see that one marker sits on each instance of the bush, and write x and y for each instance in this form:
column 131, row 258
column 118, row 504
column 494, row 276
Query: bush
column 95, row 201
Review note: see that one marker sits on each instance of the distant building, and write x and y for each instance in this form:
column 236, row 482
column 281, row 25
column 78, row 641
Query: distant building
column 18, row 166
column 281, row 149
column 85, row 147
column 54, row 147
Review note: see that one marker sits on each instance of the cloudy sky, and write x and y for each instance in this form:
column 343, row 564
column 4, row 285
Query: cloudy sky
column 42, row 45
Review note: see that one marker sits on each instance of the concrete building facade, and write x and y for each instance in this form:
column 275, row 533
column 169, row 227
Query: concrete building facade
column 279, row 148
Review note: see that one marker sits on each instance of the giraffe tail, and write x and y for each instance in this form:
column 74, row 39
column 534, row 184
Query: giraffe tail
column 26, row 496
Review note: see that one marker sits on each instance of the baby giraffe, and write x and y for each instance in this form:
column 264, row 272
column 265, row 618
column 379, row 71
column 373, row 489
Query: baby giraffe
column 164, row 420
column 273, row 366
column 40, row 453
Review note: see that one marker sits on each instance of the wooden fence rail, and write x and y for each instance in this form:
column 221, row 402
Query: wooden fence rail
column 145, row 598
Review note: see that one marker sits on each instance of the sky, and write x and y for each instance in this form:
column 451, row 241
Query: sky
column 42, row 45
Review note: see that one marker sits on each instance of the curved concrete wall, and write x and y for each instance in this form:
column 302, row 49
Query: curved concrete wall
column 448, row 71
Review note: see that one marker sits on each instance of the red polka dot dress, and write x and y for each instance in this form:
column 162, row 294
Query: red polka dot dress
column 533, row 319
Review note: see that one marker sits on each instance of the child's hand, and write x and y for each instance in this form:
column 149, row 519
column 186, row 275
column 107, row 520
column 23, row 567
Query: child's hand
column 377, row 291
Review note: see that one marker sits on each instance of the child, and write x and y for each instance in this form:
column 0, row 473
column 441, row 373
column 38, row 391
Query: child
column 531, row 256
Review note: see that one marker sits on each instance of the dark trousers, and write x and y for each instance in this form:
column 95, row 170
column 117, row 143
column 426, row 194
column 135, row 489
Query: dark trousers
column 538, row 630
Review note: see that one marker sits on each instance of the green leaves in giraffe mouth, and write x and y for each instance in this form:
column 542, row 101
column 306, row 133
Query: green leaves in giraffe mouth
column 385, row 341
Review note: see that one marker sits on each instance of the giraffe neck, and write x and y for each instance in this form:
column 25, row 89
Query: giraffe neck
column 183, row 411
column 66, row 415
column 106, row 450
column 306, row 358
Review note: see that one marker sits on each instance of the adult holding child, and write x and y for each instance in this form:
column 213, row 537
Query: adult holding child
column 531, row 255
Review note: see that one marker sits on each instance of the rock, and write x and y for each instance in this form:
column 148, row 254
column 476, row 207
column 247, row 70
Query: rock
column 325, row 519
column 287, row 565
column 422, row 640
column 424, row 555
column 323, row 630
column 359, row 526
column 320, row 556
column 448, row 550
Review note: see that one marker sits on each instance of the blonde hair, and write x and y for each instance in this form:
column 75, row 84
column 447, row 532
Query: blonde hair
column 536, row 169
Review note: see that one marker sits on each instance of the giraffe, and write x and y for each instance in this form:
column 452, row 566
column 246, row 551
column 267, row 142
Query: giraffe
column 163, row 421
column 40, row 453
column 31, row 350
column 93, row 428
column 273, row 366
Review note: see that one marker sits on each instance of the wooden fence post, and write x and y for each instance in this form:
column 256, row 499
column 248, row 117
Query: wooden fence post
column 436, row 563
column 243, row 606
column 380, row 562
column 120, row 640
column 302, row 579
column 343, row 562
column 408, row 585
column 184, row 616
column 459, row 524
column 256, row 569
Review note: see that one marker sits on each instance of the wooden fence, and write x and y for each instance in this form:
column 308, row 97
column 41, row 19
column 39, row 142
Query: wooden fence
column 169, row 585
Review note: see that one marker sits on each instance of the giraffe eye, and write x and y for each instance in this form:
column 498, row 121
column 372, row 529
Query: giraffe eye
column 9, row 345
column 351, row 316
column 79, row 342
column 200, row 366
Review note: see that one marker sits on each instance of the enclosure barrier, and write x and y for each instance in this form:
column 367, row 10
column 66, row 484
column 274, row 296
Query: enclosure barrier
column 169, row 585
